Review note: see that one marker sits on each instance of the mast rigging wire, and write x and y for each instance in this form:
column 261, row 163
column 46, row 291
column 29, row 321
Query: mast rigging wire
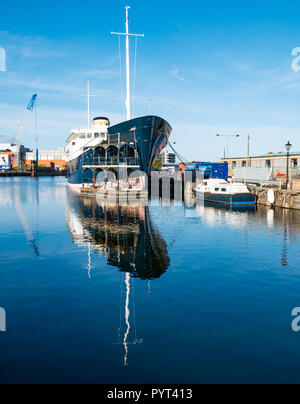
column 134, row 71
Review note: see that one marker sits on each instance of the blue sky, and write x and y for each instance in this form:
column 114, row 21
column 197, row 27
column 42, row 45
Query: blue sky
column 209, row 67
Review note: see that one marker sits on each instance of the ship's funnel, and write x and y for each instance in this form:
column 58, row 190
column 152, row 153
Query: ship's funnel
column 101, row 121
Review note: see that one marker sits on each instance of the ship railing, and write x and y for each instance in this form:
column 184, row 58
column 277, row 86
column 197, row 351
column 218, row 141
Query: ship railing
column 110, row 162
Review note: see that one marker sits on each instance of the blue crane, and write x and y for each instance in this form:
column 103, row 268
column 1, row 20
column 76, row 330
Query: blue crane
column 23, row 127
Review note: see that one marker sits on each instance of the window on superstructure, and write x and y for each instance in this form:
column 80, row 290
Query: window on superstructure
column 73, row 143
column 223, row 189
column 217, row 189
column 268, row 163
column 82, row 136
column 96, row 135
column 89, row 135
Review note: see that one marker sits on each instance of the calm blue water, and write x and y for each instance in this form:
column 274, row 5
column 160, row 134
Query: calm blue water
column 208, row 299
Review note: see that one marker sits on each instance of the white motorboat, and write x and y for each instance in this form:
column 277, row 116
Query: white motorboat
column 225, row 193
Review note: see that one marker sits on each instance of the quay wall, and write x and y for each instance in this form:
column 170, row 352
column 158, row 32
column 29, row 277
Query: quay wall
column 282, row 198
column 14, row 174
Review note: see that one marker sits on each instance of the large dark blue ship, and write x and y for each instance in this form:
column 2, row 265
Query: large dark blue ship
column 132, row 145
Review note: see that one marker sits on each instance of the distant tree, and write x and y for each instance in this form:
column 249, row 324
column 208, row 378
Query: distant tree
column 157, row 165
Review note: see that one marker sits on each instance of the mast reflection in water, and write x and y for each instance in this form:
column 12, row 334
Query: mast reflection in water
column 127, row 237
column 220, row 313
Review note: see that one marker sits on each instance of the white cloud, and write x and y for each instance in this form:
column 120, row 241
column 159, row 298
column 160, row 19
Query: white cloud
column 102, row 74
column 53, row 86
column 175, row 73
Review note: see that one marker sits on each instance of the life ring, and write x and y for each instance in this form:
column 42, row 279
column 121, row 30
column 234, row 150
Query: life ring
column 271, row 196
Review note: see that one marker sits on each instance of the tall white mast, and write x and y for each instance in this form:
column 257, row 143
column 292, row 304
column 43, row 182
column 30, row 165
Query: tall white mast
column 88, row 102
column 127, row 34
column 88, row 95
column 128, row 96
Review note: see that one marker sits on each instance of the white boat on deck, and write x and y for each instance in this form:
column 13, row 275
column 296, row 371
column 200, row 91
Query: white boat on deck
column 225, row 193
column 129, row 189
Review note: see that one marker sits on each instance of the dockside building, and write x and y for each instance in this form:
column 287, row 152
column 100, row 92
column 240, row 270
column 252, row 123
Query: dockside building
column 276, row 162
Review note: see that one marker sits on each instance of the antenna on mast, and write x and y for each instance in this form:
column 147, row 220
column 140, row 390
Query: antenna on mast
column 88, row 95
column 127, row 34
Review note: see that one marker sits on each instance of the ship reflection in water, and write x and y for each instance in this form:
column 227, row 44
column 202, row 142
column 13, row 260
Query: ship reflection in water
column 124, row 234
column 223, row 285
column 127, row 237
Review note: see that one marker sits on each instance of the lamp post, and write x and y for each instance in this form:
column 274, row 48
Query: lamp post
column 288, row 147
column 227, row 137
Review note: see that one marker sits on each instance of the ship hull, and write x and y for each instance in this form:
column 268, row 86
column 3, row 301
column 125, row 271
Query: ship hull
column 150, row 135
column 230, row 200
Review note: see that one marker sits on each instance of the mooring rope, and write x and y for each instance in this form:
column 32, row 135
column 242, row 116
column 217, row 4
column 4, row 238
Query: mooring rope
column 181, row 158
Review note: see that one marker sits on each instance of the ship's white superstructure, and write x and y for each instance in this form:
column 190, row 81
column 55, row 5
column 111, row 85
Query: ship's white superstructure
column 90, row 137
